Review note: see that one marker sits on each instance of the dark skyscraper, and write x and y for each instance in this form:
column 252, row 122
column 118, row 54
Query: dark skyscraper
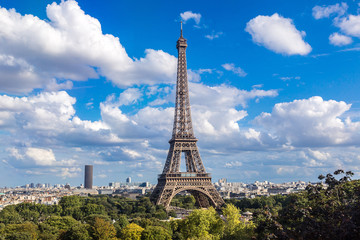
column 88, row 176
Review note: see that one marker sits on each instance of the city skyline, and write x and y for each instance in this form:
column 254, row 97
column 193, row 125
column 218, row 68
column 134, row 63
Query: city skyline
column 273, row 88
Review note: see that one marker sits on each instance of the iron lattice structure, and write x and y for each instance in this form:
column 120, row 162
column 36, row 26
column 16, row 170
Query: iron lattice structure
column 195, row 180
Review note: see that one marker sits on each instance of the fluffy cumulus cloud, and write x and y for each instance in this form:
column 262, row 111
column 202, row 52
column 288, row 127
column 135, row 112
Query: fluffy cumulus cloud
column 311, row 122
column 49, row 119
column 225, row 96
column 237, row 70
column 350, row 25
column 278, row 34
column 325, row 11
column 185, row 16
column 35, row 53
column 315, row 158
column 340, row 39
column 41, row 157
column 130, row 96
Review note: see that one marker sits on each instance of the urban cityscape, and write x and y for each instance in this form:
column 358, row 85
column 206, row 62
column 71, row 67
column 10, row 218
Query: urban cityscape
column 250, row 130
column 44, row 193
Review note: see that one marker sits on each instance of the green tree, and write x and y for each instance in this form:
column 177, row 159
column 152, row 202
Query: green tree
column 71, row 206
column 61, row 223
column 120, row 223
column 202, row 224
column 102, row 230
column 131, row 232
column 318, row 212
column 232, row 215
column 48, row 232
column 92, row 208
column 76, row 232
column 26, row 230
column 9, row 215
column 91, row 219
column 155, row 233
column 235, row 228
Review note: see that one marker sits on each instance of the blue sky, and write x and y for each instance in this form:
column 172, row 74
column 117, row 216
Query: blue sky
column 273, row 88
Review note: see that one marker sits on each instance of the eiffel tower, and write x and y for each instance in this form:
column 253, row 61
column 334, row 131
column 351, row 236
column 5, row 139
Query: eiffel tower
column 195, row 180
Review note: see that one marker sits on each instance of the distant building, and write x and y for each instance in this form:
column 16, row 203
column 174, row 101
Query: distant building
column 144, row 184
column 114, row 184
column 105, row 191
column 128, row 180
column 222, row 180
column 88, row 182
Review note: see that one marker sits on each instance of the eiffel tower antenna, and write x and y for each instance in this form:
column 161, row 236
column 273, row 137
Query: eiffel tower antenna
column 181, row 35
column 195, row 180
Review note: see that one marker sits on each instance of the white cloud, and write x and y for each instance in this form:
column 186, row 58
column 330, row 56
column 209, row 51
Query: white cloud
column 205, row 70
column 338, row 39
column 257, row 86
column 69, row 172
column 252, row 133
column 278, row 34
column 319, row 155
column 286, row 170
column 133, row 154
column 213, row 35
column 70, row 46
column 316, row 158
column 290, row 78
column 325, row 11
column 130, row 96
column 233, row 164
column 350, row 25
column 215, row 110
column 156, row 119
column 237, row 70
column 13, row 152
column 185, row 16
column 42, row 157
column 49, row 119
column 217, row 122
column 311, row 122
column 37, row 158
column 54, row 86
column 225, row 96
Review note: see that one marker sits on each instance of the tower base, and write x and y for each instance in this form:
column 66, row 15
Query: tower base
column 198, row 184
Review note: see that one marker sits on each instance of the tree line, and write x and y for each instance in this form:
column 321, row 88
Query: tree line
column 316, row 213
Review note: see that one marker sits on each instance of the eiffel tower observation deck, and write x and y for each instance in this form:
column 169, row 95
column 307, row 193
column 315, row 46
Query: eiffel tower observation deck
column 195, row 180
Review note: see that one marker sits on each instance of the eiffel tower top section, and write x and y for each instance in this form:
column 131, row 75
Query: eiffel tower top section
column 183, row 129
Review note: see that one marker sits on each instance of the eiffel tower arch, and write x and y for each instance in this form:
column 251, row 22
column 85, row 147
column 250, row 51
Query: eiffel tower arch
column 195, row 180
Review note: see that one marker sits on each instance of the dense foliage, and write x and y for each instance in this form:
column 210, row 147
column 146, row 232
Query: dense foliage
column 105, row 217
column 317, row 213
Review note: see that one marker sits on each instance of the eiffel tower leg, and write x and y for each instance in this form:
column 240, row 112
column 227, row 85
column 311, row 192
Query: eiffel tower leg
column 202, row 201
column 215, row 196
column 163, row 194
